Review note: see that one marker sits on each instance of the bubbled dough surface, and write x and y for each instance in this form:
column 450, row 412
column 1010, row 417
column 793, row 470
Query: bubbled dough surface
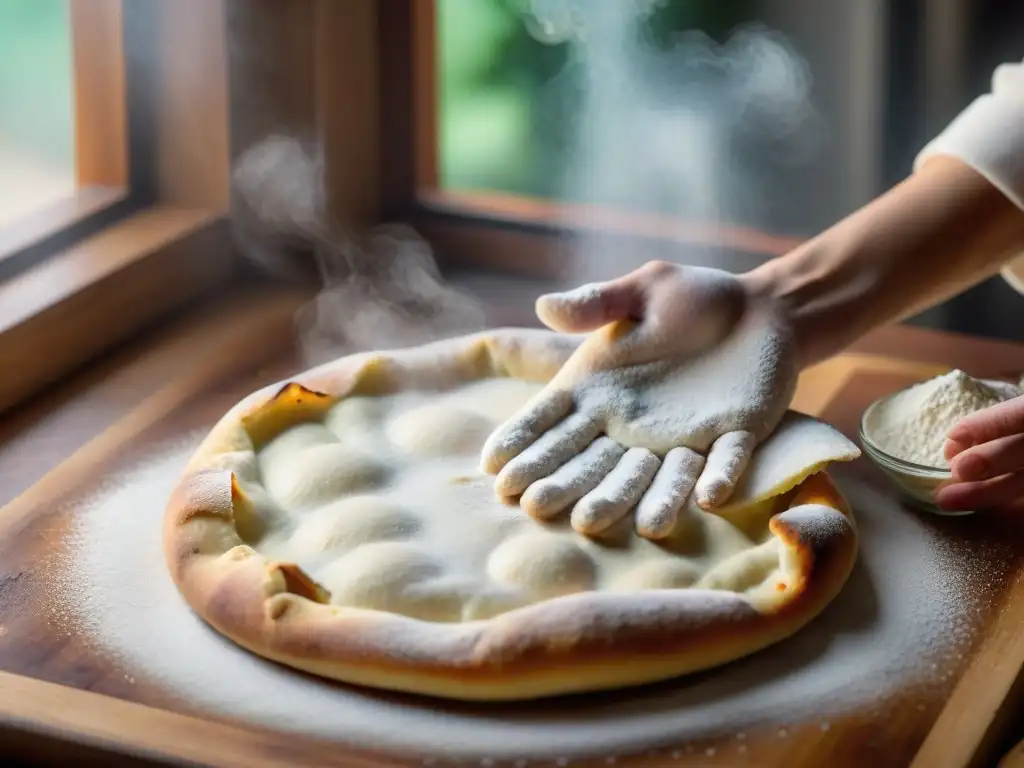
column 385, row 505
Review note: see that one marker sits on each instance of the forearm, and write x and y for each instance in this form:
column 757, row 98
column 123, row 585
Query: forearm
column 940, row 231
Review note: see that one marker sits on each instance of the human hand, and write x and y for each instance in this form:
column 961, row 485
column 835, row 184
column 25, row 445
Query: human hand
column 685, row 372
column 986, row 455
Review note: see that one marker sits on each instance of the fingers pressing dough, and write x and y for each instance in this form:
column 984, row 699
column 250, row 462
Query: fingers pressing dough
column 726, row 462
column 550, row 496
column 799, row 447
column 522, row 430
column 553, row 449
column 658, row 511
column 617, row 494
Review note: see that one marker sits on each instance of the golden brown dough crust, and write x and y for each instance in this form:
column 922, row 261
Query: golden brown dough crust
column 579, row 642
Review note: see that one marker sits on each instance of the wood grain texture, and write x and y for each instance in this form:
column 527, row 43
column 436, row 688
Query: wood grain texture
column 39, row 436
column 347, row 79
column 73, row 306
column 986, row 701
column 192, row 371
column 409, row 104
column 152, row 125
column 311, row 71
column 56, row 216
column 979, row 712
column 531, row 251
column 190, row 99
column 101, row 122
column 271, row 89
column 605, row 220
column 426, row 92
column 55, row 724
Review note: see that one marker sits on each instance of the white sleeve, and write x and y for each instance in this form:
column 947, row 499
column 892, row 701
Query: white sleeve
column 989, row 136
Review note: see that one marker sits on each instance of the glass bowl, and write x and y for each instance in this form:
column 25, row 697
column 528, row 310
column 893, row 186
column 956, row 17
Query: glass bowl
column 916, row 482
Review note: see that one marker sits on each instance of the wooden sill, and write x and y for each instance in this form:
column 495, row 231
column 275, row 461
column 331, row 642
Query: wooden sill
column 233, row 336
column 80, row 302
column 240, row 325
column 528, row 236
column 67, row 219
column 51, row 724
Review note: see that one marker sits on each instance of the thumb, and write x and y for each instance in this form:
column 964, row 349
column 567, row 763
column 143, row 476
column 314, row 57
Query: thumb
column 590, row 306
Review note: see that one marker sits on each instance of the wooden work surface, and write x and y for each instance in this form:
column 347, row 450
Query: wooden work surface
column 60, row 701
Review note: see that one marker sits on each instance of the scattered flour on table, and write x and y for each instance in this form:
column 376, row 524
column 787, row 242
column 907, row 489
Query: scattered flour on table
column 912, row 425
column 905, row 612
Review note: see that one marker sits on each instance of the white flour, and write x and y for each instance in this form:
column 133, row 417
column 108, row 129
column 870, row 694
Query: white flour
column 901, row 621
column 573, row 480
column 912, row 425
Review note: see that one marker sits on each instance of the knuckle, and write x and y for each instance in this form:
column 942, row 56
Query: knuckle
column 658, row 265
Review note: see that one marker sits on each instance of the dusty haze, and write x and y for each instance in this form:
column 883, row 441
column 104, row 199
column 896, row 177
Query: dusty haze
column 692, row 129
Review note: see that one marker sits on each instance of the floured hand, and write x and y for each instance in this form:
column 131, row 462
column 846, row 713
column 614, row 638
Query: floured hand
column 686, row 371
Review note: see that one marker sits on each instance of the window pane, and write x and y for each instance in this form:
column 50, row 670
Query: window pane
column 755, row 112
column 37, row 164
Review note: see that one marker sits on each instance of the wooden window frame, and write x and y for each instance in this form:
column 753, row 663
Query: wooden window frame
column 146, row 231
column 190, row 86
column 100, row 141
column 511, row 234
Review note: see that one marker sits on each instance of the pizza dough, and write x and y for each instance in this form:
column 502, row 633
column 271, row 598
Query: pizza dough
column 340, row 524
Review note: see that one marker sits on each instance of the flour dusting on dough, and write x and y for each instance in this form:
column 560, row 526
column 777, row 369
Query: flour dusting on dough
column 658, row 511
column 553, row 494
column 911, row 603
column 617, row 494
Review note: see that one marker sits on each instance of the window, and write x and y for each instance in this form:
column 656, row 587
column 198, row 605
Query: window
column 62, row 124
column 525, row 149
column 113, row 174
column 747, row 114
column 521, row 89
column 37, row 153
column 515, row 173
column 460, row 117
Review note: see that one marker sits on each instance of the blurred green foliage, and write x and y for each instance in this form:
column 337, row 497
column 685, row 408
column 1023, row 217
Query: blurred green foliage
column 36, row 103
column 508, row 100
column 490, row 71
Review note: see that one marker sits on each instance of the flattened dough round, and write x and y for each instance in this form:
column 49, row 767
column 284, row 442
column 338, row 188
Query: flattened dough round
column 381, row 575
column 353, row 522
column 673, row 574
column 340, row 524
column 318, row 474
column 542, row 565
column 438, row 429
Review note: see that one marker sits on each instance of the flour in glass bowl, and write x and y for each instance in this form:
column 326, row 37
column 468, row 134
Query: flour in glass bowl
column 901, row 621
column 912, row 425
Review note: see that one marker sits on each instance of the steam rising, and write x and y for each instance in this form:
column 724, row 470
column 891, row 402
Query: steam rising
column 381, row 289
column 279, row 204
column 687, row 127
column 389, row 293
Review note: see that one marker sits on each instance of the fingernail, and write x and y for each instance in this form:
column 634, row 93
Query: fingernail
column 969, row 466
column 708, row 496
column 959, row 435
column 951, row 448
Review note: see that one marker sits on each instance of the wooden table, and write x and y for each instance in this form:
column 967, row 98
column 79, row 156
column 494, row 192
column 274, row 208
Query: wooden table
column 57, row 704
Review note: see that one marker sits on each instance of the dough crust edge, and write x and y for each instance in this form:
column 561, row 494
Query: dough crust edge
column 582, row 642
